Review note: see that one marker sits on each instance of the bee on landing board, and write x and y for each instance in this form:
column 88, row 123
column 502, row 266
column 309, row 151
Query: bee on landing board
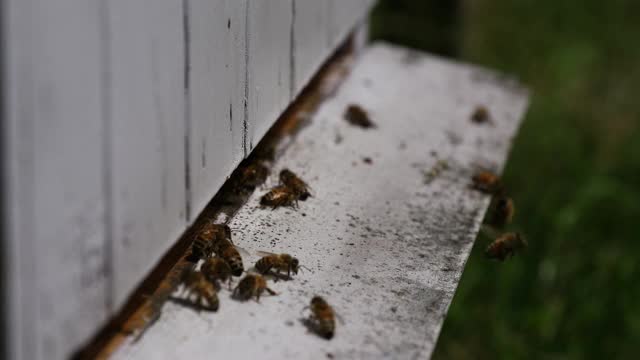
column 215, row 269
column 228, row 252
column 202, row 291
column 252, row 176
column 293, row 182
column 503, row 211
column 252, row 285
column 357, row 116
column 206, row 238
column 280, row 196
column 481, row 115
column 322, row 320
column 277, row 262
column 506, row 245
column 487, row 182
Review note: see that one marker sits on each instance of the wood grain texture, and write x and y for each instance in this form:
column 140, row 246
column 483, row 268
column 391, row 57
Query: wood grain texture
column 123, row 118
column 53, row 117
column 216, row 93
column 310, row 46
column 344, row 15
column 269, row 65
column 147, row 67
column 382, row 244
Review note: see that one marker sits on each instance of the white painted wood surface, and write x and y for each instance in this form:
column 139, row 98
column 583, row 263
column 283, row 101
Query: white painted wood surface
column 344, row 15
column 52, row 142
column 269, row 65
column 123, row 118
column 384, row 247
column 216, row 92
column 146, row 40
column 310, row 45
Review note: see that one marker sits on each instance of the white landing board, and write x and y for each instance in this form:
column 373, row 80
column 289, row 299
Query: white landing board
column 383, row 246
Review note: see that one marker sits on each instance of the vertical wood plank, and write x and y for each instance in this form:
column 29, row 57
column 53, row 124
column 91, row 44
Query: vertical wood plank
column 216, row 94
column 269, row 65
column 148, row 135
column 344, row 15
column 53, row 118
column 310, row 46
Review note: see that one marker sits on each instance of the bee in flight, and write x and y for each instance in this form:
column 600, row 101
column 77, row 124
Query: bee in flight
column 201, row 290
column 205, row 239
column 216, row 270
column 322, row 319
column 503, row 211
column 293, row 182
column 487, row 182
column 280, row 196
column 252, row 285
column 505, row 245
column 277, row 262
column 357, row 116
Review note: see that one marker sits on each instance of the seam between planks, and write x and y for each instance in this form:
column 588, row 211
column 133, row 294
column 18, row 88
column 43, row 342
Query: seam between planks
column 292, row 52
column 247, row 37
column 107, row 146
column 187, row 109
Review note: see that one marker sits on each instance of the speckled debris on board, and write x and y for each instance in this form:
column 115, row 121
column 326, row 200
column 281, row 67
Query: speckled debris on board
column 385, row 248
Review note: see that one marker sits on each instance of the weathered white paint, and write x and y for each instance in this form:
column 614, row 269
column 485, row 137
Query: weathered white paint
column 310, row 46
column 384, row 247
column 147, row 54
column 344, row 15
column 109, row 108
column 269, row 65
column 216, row 93
column 54, row 176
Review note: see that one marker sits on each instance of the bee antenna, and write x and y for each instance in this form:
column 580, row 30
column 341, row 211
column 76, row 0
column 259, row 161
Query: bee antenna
column 303, row 267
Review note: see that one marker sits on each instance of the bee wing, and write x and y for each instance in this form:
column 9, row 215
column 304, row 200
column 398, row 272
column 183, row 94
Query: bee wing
column 265, row 253
column 242, row 251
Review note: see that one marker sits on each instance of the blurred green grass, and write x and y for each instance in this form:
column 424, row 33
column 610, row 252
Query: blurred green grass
column 574, row 173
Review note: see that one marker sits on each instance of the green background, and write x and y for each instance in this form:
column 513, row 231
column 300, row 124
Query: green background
column 574, row 174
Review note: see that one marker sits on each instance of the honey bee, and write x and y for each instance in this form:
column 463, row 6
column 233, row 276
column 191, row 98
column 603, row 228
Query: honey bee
column 503, row 211
column 278, row 262
column 280, row 196
column 357, row 116
column 480, row 115
column 206, row 238
column 253, row 175
column 435, row 171
column 322, row 319
column 487, row 182
column 225, row 249
column 216, row 269
column 291, row 180
column 252, row 285
column 505, row 245
column 198, row 286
